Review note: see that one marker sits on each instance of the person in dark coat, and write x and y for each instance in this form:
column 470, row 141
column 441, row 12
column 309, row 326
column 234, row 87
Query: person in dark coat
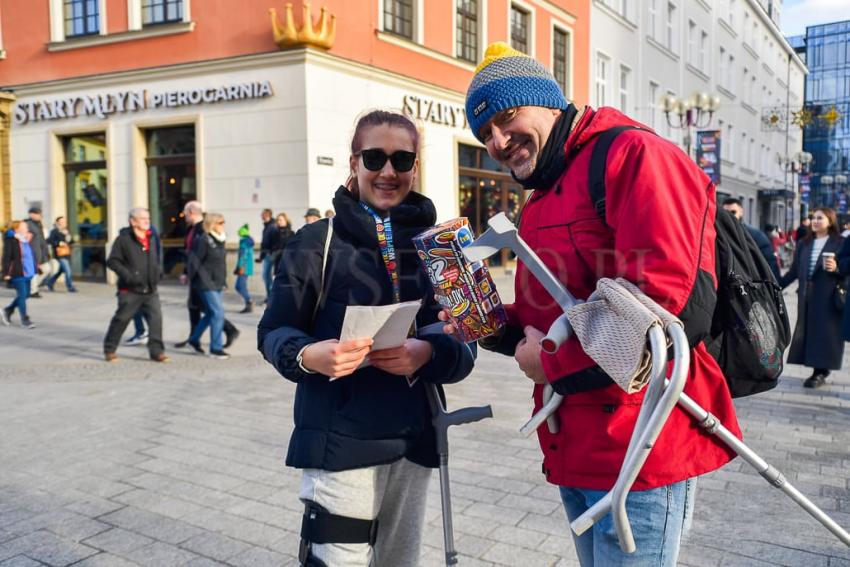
column 39, row 249
column 284, row 234
column 363, row 435
column 817, row 341
column 209, row 276
column 193, row 213
column 135, row 260
column 267, row 247
column 61, row 241
column 735, row 207
column 18, row 268
column 843, row 260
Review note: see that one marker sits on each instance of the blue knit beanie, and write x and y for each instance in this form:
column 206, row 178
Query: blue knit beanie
column 506, row 78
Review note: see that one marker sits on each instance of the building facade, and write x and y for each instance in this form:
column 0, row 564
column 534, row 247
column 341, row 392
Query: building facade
column 645, row 51
column 826, row 49
column 124, row 103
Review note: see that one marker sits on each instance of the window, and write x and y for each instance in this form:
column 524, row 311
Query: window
column 519, row 29
column 171, row 184
column 720, row 68
column 398, row 17
column 652, row 106
column 752, row 156
column 732, row 9
column 669, row 36
column 730, row 73
column 86, row 195
column 82, row 17
column 745, row 96
column 625, row 79
column 692, row 43
column 619, row 6
column 602, row 64
column 161, row 12
column 703, row 52
column 653, row 19
column 746, row 31
column 467, row 30
column 669, row 131
column 745, row 147
column 561, row 59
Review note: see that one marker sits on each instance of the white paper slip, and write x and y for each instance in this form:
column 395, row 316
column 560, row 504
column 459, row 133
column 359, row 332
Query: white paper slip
column 387, row 325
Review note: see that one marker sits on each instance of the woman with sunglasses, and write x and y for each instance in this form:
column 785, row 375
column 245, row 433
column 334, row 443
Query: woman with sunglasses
column 363, row 435
column 210, row 278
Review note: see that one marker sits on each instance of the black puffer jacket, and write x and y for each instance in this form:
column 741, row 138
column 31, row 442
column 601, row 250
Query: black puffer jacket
column 138, row 270
column 370, row 417
column 209, row 264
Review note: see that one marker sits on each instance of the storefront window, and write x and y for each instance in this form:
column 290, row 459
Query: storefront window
column 486, row 189
column 171, row 184
column 87, row 191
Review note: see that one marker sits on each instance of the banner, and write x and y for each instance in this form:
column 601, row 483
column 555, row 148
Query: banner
column 708, row 153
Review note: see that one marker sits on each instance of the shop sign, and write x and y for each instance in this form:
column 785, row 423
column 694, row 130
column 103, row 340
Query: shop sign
column 708, row 153
column 775, row 194
column 121, row 102
column 429, row 110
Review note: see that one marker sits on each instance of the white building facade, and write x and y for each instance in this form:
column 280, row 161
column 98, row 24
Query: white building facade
column 240, row 135
column 642, row 51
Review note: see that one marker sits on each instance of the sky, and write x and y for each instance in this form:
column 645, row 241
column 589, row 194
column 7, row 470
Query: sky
column 797, row 14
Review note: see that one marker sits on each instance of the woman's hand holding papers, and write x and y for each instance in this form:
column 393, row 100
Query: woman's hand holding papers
column 336, row 359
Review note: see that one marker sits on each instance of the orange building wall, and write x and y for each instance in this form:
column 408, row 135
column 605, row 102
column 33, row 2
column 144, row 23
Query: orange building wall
column 229, row 28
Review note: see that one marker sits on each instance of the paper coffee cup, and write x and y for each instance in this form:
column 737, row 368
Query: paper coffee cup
column 827, row 255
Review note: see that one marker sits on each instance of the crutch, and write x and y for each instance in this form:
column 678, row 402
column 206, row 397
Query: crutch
column 442, row 420
column 503, row 234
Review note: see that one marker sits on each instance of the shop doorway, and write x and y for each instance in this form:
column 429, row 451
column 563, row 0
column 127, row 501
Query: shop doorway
column 171, row 184
column 86, row 185
column 485, row 189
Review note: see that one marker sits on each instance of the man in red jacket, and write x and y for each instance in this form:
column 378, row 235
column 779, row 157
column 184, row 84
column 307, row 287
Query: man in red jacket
column 657, row 231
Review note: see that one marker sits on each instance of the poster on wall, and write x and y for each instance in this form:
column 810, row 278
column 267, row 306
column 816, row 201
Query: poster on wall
column 708, row 153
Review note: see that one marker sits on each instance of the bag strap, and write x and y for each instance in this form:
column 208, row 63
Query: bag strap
column 598, row 164
column 324, row 264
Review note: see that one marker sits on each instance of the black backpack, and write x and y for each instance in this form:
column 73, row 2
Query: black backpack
column 749, row 328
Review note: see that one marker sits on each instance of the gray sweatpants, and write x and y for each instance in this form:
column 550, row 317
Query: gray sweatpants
column 394, row 494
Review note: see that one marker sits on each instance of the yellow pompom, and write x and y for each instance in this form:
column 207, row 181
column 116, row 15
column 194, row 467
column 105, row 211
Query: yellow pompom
column 496, row 51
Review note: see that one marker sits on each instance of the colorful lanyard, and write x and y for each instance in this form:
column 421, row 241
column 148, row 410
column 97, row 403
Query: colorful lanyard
column 385, row 241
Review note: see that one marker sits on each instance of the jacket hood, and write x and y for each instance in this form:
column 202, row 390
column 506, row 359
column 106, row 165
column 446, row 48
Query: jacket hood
column 594, row 122
column 415, row 212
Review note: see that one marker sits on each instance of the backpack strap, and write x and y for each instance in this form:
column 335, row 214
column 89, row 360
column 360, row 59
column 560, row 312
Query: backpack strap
column 324, row 264
column 598, row 164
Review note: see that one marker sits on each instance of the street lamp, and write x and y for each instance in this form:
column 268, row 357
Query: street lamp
column 696, row 111
column 794, row 163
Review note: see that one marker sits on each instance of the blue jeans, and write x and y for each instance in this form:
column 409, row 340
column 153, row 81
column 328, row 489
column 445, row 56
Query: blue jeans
column 658, row 518
column 64, row 268
column 22, row 292
column 242, row 288
column 213, row 318
column 268, row 269
column 138, row 324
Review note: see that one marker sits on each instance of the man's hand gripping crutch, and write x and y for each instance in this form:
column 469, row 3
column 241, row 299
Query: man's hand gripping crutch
column 620, row 307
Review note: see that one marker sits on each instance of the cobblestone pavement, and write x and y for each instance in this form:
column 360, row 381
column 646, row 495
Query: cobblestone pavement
column 182, row 464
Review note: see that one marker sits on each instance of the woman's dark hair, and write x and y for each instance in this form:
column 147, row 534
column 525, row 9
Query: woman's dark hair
column 59, row 218
column 829, row 213
column 379, row 118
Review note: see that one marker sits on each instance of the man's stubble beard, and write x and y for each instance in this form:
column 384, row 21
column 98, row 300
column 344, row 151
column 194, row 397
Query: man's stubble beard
column 525, row 169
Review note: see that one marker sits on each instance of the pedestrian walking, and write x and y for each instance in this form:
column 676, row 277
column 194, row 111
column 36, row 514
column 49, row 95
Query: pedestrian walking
column 245, row 267
column 140, row 334
column 656, row 229
column 363, row 436
column 61, row 241
column 312, row 215
column 267, row 244
column 193, row 214
column 736, row 207
column 843, row 260
column 39, row 249
column 817, row 341
column 284, row 234
column 209, row 277
column 19, row 268
column 135, row 261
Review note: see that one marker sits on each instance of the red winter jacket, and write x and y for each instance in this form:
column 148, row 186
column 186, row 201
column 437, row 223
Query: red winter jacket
column 660, row 235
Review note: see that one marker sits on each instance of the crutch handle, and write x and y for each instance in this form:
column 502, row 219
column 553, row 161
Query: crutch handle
column 546, row 413
column 558, row 334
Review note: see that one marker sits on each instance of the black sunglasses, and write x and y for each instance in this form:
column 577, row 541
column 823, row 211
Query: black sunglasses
column 374, row 159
